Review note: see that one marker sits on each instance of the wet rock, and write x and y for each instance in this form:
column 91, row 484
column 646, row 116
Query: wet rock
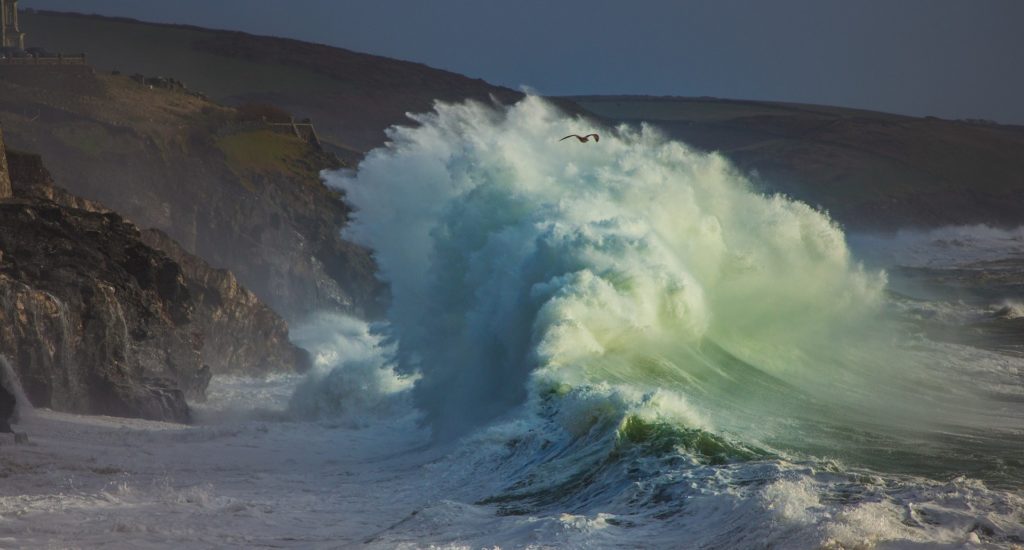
column 93, row 320
column 8, row 407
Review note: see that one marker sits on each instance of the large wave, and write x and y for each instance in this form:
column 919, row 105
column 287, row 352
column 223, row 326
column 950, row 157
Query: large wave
column 633, row 274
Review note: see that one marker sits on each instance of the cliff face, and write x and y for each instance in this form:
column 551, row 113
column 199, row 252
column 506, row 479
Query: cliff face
column 241, row 335
column 241, row 195
column 94, row 321
column 97, row 321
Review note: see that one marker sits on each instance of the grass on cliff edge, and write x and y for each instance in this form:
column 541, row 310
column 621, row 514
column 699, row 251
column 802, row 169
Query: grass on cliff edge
column 266, row 151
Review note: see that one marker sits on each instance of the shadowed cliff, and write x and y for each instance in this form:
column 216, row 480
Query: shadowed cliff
column 239, row 193
column 94, row 320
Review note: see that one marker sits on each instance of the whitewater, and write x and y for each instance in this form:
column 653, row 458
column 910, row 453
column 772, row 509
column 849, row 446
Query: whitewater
column 612, row 344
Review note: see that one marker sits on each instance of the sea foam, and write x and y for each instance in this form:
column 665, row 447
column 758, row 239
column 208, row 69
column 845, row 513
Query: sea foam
column 519, row 263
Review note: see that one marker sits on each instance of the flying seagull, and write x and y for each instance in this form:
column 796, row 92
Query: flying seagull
column 583, row 139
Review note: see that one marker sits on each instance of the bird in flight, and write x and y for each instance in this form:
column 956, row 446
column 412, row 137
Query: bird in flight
column 583, row 139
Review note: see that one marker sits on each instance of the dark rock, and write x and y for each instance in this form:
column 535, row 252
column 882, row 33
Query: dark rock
column 12, row 401
column 240, row 334
column 94, row 320
column 82, row 315
column 195, row 389
column 99, row 320
column 245, row 198
column 8, row 407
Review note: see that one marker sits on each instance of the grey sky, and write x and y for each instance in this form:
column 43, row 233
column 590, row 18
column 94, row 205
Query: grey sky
column 953, row 59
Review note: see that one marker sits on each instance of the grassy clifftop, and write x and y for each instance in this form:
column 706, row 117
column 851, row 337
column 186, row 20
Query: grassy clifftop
column 254, row 152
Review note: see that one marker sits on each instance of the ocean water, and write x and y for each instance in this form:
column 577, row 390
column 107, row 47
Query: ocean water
column 606, row 345
column 625, row 335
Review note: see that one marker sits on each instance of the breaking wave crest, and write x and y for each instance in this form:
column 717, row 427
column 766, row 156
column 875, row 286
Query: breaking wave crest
column 644, row 290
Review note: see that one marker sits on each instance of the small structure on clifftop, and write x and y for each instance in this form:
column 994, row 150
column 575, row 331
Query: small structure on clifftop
column 12, row 43
column 13, row 38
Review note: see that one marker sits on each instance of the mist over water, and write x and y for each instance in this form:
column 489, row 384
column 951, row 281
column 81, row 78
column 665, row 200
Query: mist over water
column 638, row 278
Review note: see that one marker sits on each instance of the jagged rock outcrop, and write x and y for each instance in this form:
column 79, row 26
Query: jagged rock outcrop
column 96, row 321
column 241, row 334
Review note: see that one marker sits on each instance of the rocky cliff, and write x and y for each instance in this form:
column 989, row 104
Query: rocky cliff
column 241, row 335
column 239, row 193
column 94, row 320
column 97, row 321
